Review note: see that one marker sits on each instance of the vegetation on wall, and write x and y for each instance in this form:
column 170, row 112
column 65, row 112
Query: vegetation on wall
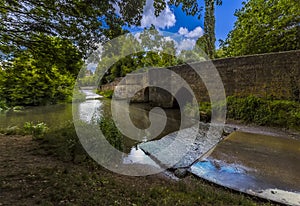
column 259, row 111
column 281, row 113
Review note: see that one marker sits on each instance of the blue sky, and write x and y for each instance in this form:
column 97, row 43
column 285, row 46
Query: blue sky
column 173, row 20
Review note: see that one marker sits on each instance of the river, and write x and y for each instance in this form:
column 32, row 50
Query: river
column 92, row 109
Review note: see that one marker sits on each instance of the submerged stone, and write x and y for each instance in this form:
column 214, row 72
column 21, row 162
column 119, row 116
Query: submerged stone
column 181, row 172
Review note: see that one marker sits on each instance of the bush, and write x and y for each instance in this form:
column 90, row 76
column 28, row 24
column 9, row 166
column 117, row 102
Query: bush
column 3, row 106
column 12, row 130
column 64, row 143
column 205, row 111
column 36, row 130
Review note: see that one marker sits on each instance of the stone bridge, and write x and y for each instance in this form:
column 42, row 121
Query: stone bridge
column 275, row 75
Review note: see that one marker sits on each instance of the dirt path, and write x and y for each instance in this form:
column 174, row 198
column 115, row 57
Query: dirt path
column 21, row 170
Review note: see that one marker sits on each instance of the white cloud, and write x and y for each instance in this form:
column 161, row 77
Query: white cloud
column 196, row 33
column 185, row 44
column 183, row 31
column 166, row 18
column 167, row 38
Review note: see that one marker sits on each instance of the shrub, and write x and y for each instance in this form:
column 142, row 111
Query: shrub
column 3, row 106
column 64, row 143
column 205, row 111
column 12, row 130
column 36, row 130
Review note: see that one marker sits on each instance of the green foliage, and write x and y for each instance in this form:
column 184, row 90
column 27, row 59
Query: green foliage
column 12, row 130
column 36, row 130
column 106, row 93
column 3, row 106
column 205, row 111
column 265, row 26
column 84, row 22
column 260, row 111
column 44, row 79
column 87, row 81
column 64, row 143
column 77, row 97
column 189, row 109
column 209, row 28
column 111, row 132
column 147, row 54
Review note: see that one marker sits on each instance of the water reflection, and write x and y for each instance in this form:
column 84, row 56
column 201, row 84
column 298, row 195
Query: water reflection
column 89, row 111
column 137, row 156
column 52, row 115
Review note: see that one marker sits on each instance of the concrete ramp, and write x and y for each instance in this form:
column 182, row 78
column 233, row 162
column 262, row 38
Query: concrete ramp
column 191, row 143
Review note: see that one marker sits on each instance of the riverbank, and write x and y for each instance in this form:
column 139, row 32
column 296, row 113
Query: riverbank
column 263, row 130
column 30, row 175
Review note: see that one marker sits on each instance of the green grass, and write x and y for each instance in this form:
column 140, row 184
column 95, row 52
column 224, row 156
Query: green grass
column 94, row 186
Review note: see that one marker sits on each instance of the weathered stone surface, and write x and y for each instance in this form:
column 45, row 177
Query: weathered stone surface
column 186, row 146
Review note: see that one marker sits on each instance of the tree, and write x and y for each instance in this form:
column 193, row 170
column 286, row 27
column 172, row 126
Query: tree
column 151, row 49
column 191, row 7
column 85, row 23
column 208, row 40
column 29, row 79
column 265, row 26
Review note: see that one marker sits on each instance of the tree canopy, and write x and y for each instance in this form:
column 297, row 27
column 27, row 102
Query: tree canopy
column 82, row 22
column 208, row 40
column 31, row 79
column 44, row 42
column 265, row 26
column 149, row 49
column 85, row 23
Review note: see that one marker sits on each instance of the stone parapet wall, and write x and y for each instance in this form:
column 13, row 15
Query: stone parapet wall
column 274, row 75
